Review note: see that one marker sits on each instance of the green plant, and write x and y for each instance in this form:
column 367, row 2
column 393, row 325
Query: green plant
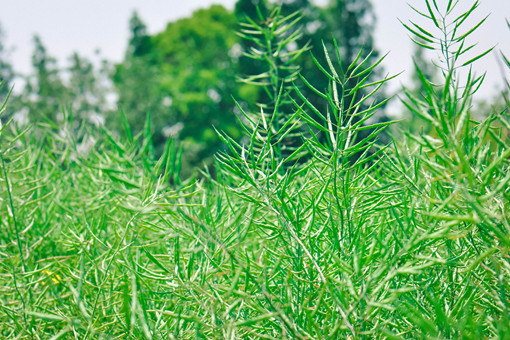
column 99, row 239
column 460, row 173
column 274, row 42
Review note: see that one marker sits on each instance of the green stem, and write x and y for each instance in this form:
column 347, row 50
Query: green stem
column 18, row 240
column 11, row 204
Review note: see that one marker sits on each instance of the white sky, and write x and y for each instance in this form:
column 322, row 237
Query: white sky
column 85, row 26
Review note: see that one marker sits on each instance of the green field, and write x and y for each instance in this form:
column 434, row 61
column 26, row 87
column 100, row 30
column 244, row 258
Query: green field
column 339, row 236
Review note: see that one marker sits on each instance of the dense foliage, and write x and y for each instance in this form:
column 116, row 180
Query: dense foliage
column 183, row 76
column 339, row 238
column 186, row 76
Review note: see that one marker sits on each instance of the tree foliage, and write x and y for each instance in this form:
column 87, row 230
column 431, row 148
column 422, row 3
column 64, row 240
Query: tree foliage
column 44, row 94
column 50, row 92
column 136, row 78
column 198, row 72
column 186, row 75
column 6, row 71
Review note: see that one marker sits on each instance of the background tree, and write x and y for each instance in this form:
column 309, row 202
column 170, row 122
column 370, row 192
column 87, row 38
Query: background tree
column 199, row 71
column 87, row 89
column 186, row 77
column 424, row 70
column 136, row 78
column 6, row 71
column 348, row 22
column 246, row 10
column 44, row 94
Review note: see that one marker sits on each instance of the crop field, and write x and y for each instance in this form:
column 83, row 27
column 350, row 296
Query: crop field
column 319, row 224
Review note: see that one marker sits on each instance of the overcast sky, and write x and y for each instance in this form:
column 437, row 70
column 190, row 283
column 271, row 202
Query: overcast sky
column 86, row 26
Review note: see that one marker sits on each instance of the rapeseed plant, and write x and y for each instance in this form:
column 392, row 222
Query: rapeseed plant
column 340, row 237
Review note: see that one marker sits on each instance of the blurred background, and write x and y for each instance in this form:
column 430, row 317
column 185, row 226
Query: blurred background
column 181, row 61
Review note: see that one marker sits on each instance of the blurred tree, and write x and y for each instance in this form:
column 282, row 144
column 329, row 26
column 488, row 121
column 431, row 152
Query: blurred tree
column 423, row 68
column 186, row 77
column 250, row 9
column 198, row 59
column 245, row 11
column 87, row 90
column 6, row 71
column 136, row 78
column 139, row 42
column 44, row 94
column 349, row 22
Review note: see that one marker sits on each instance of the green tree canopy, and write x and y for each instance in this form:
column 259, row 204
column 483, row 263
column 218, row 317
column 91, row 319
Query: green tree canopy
column 186, row 77
column 198, row 72
column 136, row 78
